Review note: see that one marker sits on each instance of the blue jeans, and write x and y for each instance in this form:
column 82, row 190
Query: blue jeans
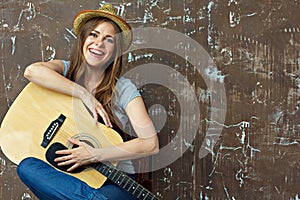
column 47, row 183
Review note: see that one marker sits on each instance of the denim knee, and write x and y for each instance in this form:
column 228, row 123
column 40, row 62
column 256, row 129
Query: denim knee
column 24, row 168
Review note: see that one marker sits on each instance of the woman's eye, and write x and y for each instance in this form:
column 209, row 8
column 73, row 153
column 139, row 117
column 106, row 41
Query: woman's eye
column 93, row 34
column 110, row 40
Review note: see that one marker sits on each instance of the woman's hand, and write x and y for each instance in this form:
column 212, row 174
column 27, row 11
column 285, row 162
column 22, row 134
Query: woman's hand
column 96, row 108
column 81, row 155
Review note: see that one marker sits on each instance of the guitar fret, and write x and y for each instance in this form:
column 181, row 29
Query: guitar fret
column 117, row 177
column 147, row 195
column 111, row 171
column 141, row 192
column 128, row 180
column 129, row 183
column 122, row 177
column 133, row 188
column 152, row 198
column 104, row 170
column 144, row 195
column 98, row 167
column 137, row 190
column 110, row 174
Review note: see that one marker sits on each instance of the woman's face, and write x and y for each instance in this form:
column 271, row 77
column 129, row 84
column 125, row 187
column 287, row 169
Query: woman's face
column 99, row 46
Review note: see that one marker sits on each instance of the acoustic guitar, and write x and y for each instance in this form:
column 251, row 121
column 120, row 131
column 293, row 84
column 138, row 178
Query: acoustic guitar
column 40, row 121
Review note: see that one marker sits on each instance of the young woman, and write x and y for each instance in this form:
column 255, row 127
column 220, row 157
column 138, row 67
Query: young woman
column 93, row 75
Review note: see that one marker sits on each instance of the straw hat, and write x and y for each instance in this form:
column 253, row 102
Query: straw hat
column 106, row 11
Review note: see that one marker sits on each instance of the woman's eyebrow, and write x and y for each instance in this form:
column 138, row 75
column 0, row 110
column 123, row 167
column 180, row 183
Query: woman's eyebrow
column 96, row 31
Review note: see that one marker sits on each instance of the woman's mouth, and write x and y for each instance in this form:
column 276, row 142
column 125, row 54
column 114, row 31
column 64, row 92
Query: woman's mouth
column 96, row 52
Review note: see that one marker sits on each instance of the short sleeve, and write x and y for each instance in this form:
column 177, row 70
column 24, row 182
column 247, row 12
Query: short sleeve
column 126, row 91
column 66, row 66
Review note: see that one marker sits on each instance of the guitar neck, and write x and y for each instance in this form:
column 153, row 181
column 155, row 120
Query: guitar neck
column 124, row 181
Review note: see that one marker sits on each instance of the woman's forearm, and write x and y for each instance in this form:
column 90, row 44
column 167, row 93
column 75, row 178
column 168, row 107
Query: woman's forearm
column 44, row 76
column 133, row 149
column 49, row 75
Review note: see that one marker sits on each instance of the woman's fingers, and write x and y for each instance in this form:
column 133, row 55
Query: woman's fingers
column 73, row 167
column 97, row 108
column 74, row 157
column 103, row 114
column 95, row 117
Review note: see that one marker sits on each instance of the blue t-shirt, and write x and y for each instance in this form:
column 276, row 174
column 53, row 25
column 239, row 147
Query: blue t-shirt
column 125, row 92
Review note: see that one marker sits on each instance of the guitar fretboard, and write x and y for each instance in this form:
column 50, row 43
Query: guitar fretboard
column 124, row 181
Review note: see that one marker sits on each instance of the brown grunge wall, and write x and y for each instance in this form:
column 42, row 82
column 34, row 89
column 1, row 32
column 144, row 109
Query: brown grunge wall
column 250, row 153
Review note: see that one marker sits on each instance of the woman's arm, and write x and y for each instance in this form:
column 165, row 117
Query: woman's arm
column 145, row 144
column 50, row 75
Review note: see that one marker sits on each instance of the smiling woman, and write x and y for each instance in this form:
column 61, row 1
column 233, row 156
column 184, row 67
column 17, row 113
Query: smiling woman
column 100, row 43
column 93, row 76
column 99, row 50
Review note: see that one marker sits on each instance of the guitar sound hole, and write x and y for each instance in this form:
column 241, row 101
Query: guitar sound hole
column 87, row 142
column 86, row 138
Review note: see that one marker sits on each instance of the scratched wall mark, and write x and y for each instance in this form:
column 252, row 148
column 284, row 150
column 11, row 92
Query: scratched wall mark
column 256, row 50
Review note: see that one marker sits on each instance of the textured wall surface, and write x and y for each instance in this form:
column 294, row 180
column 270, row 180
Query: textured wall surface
column 255, row 48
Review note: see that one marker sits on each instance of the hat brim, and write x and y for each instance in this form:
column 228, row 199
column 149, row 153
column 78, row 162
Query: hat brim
column 82, row 17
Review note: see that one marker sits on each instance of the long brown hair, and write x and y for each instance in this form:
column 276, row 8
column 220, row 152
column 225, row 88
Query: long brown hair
column 105, row 90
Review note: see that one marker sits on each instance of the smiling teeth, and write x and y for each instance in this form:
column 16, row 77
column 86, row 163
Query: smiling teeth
column 96, row 52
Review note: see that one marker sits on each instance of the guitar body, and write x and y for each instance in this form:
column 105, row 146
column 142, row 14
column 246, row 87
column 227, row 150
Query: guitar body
column 22, row 129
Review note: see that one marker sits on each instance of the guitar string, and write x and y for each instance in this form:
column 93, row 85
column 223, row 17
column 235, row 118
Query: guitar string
column 134, row 186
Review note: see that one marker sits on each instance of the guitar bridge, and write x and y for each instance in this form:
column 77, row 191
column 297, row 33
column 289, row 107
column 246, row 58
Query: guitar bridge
column 52, row 130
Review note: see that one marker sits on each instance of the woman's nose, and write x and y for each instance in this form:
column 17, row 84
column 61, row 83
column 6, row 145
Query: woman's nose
column 99, row 42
